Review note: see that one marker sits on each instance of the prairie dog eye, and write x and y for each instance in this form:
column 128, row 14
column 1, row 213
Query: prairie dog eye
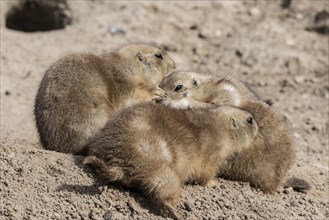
column 178, row 87
column 195, row 82
column 250, row 120
column 159, row 55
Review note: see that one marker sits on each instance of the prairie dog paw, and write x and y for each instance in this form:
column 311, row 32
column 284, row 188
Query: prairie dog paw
column 159, row 94
column 211, row 183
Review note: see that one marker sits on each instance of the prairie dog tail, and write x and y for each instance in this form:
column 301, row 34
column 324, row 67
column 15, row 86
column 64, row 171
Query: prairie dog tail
column 297, row 184
column 104, row 172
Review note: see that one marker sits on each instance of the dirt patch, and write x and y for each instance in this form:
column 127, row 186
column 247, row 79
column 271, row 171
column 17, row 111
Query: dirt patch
column 269, row 47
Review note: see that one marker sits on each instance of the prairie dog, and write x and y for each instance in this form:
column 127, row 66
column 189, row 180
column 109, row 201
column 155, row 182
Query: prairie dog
column 266, row 163
column 81, row 91
column 156, row 149
column 194, row 90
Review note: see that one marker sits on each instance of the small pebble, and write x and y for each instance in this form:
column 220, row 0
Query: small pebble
column 299, row 16
column 261, row 84
column 227, row 205
column 218, row 33
column 202, row 36
column 294, row 204
column 222, row 187
column 290, row 42
column 286, row 191
column 238, row 53
column 107, row 215
column 46, row 199
column 116, row 31
column 299, row 79
column 254, row 11
column 286, row 3
column 197, row 204
column 194, row 27
column 56, row 215
column 84, row 214
column 188, row 206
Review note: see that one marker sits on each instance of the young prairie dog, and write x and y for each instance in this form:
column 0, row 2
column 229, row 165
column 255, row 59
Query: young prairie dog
column 194, row 90
column 156, row 149
column 81, row 91
column 266, row 163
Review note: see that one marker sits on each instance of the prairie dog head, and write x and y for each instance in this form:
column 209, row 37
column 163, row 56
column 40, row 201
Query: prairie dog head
column 240, row 126
column 182, row 87
column 153, row 63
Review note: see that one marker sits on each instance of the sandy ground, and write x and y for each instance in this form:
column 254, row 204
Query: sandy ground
column 258, row 41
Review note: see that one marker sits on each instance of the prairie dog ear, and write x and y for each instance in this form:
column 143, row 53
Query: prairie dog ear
column 141, row 58
column 233, row 123
column 232, row 91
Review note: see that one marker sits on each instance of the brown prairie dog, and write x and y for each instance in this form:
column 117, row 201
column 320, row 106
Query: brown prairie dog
column 266, row 163
column 156, row 149
column 193, row 90
column 81, row 91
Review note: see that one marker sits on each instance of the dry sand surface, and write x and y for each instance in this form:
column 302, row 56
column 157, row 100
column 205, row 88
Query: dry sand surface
column 272, row 49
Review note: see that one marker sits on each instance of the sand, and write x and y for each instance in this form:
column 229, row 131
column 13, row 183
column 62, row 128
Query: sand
column 274, row 50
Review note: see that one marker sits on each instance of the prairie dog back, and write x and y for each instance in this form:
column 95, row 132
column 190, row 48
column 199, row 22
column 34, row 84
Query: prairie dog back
column 150, row 147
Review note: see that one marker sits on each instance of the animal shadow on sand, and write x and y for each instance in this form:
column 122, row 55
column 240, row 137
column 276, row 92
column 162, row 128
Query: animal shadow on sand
column 94, row 189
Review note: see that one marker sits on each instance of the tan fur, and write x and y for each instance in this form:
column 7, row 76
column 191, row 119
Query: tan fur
column 80, row 92
column 159, row 148
column 266, row 163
